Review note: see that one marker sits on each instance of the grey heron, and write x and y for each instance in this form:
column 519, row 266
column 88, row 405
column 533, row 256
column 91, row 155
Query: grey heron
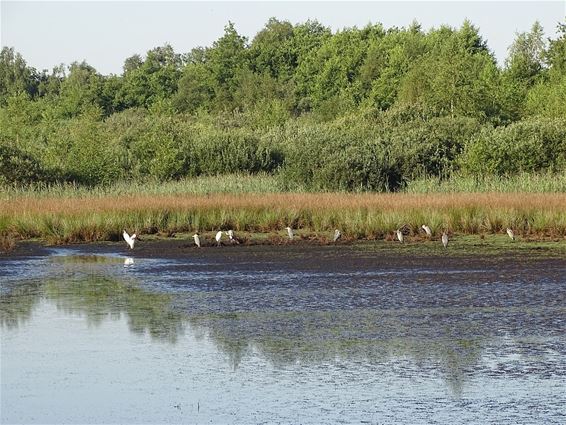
column 337, row 235
column 197, row 239
column 130, row 240
column 445, row 239
column 289, row 232
column 511, row 233
column 427, row 230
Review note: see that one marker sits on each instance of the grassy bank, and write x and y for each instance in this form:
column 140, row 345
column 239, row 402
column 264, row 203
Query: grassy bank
column 60, row 219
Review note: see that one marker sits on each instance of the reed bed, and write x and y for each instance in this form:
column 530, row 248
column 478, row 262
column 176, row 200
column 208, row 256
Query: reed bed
column 522, row 182
column 276, row 183
column 359, row 216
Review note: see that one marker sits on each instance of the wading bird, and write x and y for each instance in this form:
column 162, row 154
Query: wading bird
column 218, row 238
column 130, row 240
column 400, row 235
column 337, row 235
column 511, row 233
column 445, row 239
column 230, row 234
column 427, row 230
column 289, row 232
column 197, row 240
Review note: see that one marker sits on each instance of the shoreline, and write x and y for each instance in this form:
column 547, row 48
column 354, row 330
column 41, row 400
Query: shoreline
column 182, row 245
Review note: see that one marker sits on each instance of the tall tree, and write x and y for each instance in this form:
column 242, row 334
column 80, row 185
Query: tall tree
column 154, row 79
column 556, row 54
column 272, row 51
column 15, row 75
column 225, row 60
column 526, row 58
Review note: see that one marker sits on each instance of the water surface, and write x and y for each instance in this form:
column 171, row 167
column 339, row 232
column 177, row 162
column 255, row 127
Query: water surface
column 95, row 334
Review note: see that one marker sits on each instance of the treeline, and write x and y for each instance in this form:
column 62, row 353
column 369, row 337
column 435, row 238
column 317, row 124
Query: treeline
column 359, row 109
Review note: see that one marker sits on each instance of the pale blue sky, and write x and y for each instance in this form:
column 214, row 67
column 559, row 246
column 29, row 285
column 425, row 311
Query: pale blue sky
column 104, row 33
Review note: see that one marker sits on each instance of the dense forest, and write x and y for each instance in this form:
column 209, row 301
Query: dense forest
column 357, row 109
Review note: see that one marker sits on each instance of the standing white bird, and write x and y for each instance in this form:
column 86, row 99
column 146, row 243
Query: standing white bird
column 427, row 230
column 130, row 240
column 289, row 232
column 511, row 233
column 400, row 235
column 337, row 235
column 197, row 240
column 218, row 237
column 445, row 239
column 230, row 234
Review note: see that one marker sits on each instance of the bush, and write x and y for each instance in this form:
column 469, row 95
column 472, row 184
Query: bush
column 526, row 146
column 17, row 167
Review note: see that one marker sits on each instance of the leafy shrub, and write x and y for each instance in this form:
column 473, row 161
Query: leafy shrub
column 526, row 146
column 19, row 167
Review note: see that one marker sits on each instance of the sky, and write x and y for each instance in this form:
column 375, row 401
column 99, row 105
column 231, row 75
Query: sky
column 104, row 33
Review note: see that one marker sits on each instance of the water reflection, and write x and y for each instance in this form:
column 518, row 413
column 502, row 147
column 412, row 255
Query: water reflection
column 316, row 323
column 96, row 298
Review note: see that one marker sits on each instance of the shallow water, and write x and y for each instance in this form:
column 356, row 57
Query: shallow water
column 95, row 334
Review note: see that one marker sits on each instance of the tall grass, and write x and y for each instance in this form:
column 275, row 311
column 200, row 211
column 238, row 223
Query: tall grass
column 276, row 183
column 368, row 216
column 523, row 182
column 231, row 183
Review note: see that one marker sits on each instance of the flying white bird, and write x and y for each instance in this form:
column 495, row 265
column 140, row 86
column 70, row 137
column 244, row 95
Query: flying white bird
column 218, row 237
column 130, row 240
column 337, row 235
column 427, row 230
column 445, row 239
column 289, row 232
column 399, row 235
column 197, row 239
column 511, row 233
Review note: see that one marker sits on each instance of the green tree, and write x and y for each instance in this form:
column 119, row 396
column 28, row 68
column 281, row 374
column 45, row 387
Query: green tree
column 225, row 60
column 15, row 75
column 387, row 61
column 526, row 58
column 154, row 79
column 459, row 77
column 81, row 89
column 272, row 51
column 556, row 53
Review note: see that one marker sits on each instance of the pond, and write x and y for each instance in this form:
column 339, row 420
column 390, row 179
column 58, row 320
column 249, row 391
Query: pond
column 282, row 334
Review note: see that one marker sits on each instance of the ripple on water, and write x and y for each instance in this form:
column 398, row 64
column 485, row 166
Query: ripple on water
column 255, row 337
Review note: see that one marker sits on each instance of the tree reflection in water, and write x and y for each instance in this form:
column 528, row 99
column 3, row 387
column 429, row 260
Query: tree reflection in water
column 284, row 338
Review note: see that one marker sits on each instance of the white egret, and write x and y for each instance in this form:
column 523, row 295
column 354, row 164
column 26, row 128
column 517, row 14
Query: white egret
column 511, row 233
column 128, row 261
column 197, row 239
column 427, row 230
column 130, row 240
column 400, row 235
column 337, row 235
column 230, row 234
column 289, row 232
column 445, row 239
column 218, row 237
